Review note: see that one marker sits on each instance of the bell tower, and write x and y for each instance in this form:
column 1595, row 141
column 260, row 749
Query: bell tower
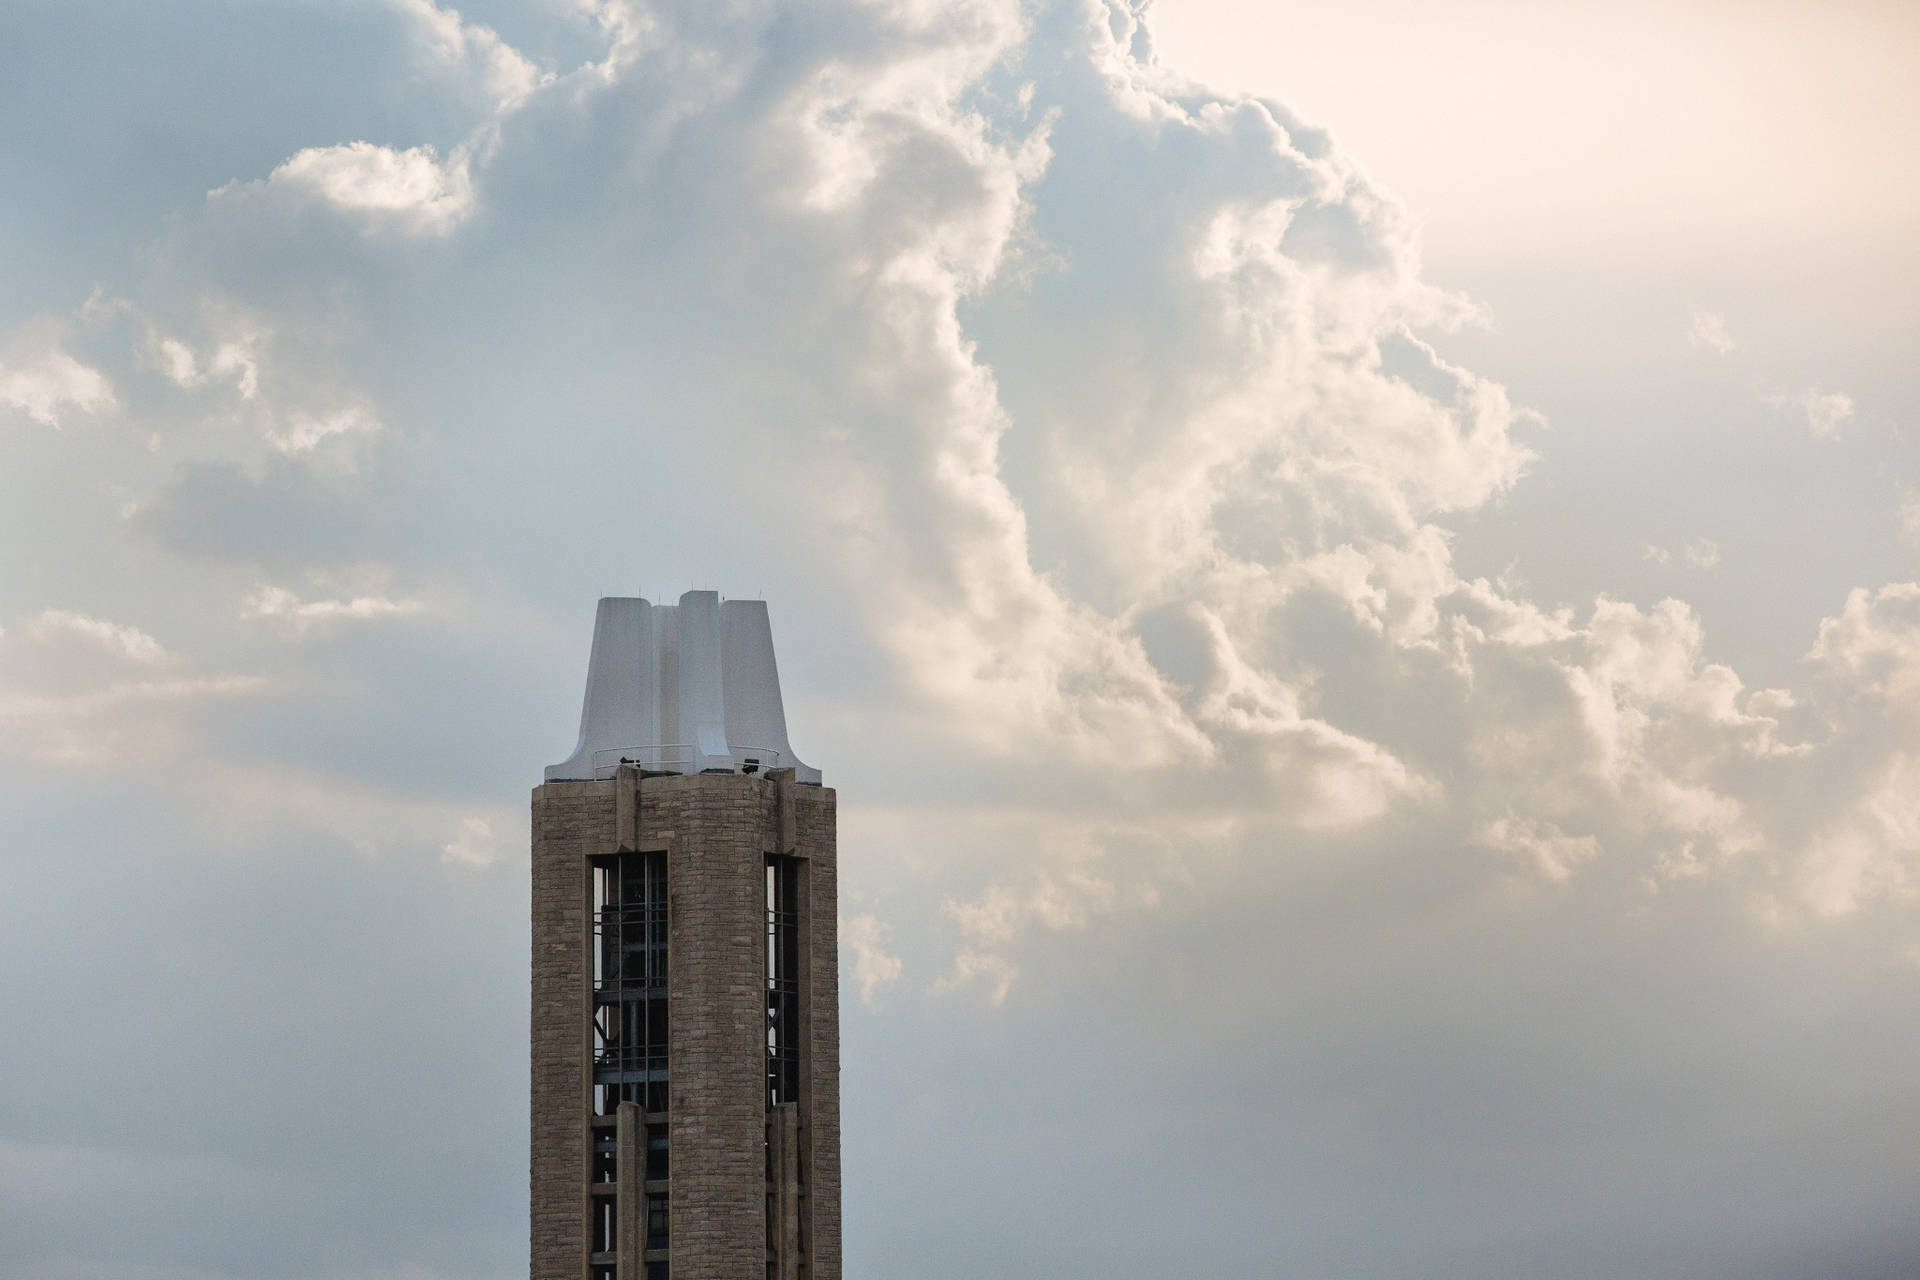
column 685, row 1012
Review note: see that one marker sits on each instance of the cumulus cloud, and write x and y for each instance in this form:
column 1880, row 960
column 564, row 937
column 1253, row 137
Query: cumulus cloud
column 1303, row 424
column 140, row 722
column 80, row 691
column 230, row 359
column 1061, row 901
column 1873, row 854
column 1140, row 485
column 236, row 359
column 176, row 361
column 1864, row 842
column 51, row 626
column 1680, row 769
column 1874, row 643
column 1701, row 553
column 1826, row 412
column 874, row 967
column 1553, row 853
column 473, row 844
column 1708, row 329
column 40, row 379
column 508, row 77
column 1319, row 775
column 1100, row 470
column 1909, row 516
column 413, row 190
column 994, row 972
column 279, row 605
column 1103, row 429
column 1161, row 484
column 305, row 431
column 259, row 377
column 1638, row 740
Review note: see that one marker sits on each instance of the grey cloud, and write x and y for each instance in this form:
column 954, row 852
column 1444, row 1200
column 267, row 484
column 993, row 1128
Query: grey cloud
column 1102, row 454
column 286, row 514
column 1370, row 1065
column 213, row 1094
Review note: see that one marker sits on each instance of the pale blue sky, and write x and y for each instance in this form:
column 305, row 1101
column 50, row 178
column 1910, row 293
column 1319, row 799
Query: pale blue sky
column 1352, row 566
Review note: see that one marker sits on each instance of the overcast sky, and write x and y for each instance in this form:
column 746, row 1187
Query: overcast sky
column 1353, row 566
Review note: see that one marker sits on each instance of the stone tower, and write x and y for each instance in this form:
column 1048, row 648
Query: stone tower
column 685, row 1019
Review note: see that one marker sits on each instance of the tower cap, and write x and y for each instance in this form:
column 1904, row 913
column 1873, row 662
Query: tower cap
column 682, row 688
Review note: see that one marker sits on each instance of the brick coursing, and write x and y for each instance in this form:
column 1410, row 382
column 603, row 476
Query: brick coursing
column 716, row 911
column 815, row 808
column 717, row 829
column 570, row 821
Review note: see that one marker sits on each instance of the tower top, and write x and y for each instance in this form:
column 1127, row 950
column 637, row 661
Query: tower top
column 686, row 688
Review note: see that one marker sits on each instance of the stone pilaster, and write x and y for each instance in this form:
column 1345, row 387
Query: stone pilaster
column 570, row 821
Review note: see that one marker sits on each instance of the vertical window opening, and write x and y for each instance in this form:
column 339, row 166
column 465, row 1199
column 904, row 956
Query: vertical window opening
column 656, row 1153
column 631, row 1023
column 630, row 1010
column 603, row 1155
column 783, row 980
column 656, row 1224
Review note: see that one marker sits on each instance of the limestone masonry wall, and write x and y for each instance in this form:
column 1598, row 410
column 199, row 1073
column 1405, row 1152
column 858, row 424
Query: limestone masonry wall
column 717, row 830
column 815, row 819
column 570, row 821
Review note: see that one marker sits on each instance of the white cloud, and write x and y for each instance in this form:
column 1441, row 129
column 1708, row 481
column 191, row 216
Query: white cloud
column 1826, row 411
column 1656, row 716
column 1872, row 852
column 473, row 844
column 1307, row 420
column 1321, row 776
column 412, row 190
column 1701, row 553
column 1251, row 425
column 175, row 360
column 1709, row 330
column 80, row 691
column 630, row 28
column 507, row 75
column 1909, row 516
column 1680, row 769
column 1553, row 853
column 127, row 723
column 51, row 626
column 874, row 966
column 1060, row 873
column 233, row 358
column 280, row 605
column 1100, row 442
column 994, row 971
column 41, row 380
column 1161, row 485
column 1060, row 901
column 1874, row 643
column 305, row 431
column 99, row 309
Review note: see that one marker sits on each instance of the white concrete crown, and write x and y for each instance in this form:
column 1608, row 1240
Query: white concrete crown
column 686, row 688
